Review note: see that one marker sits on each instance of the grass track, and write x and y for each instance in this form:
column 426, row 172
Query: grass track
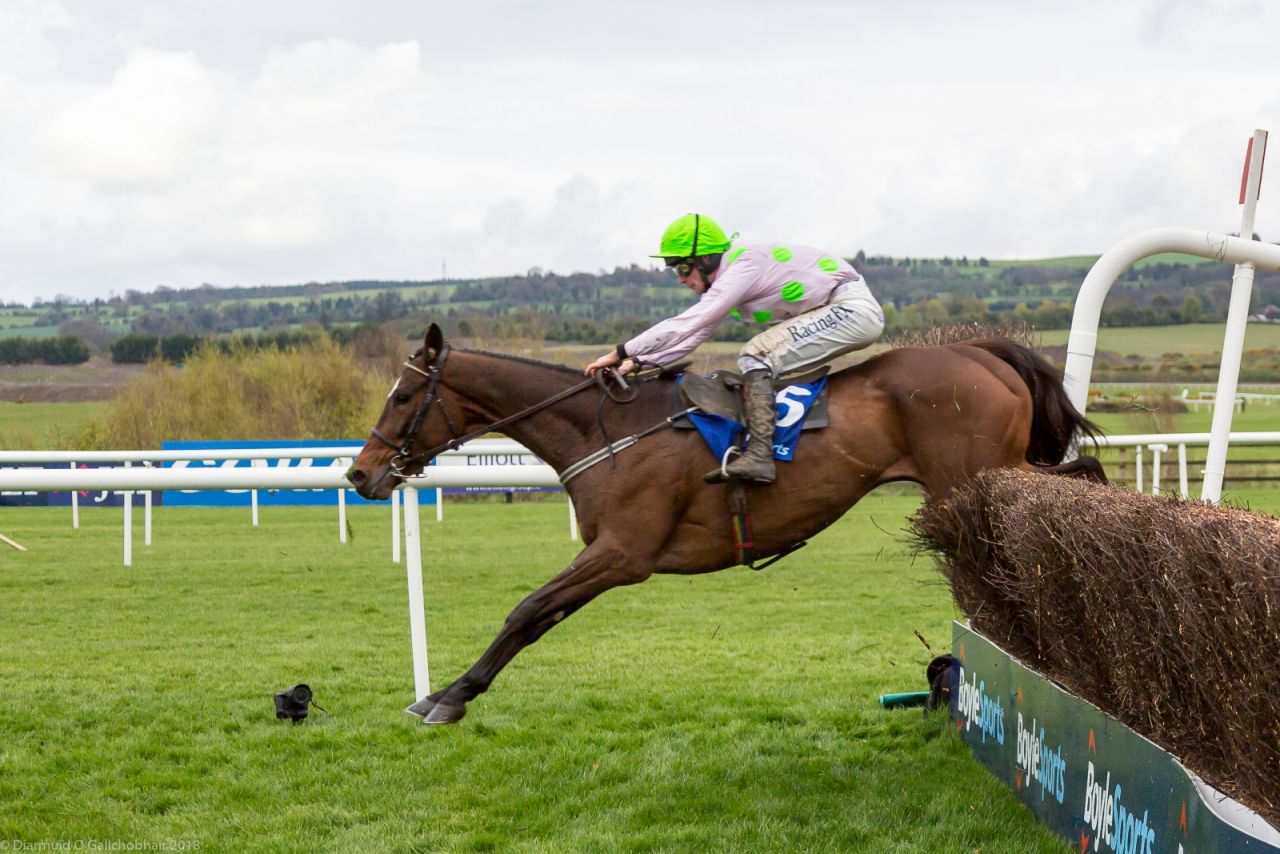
column 735, row 711
column 45, row 425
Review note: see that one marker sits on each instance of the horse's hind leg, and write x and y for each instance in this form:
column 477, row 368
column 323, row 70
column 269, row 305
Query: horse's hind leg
column 1084, row 468
column 596, row 569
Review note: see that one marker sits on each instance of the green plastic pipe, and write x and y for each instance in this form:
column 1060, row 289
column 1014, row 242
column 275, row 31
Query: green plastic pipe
column 901, row 701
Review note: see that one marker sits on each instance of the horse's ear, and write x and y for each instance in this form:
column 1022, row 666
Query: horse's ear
column 433, row 343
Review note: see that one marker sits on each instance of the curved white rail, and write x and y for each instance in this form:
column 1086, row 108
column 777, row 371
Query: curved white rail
column 1083, row 342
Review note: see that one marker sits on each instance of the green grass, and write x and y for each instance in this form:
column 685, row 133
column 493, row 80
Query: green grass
column 1255, row 417
column 44, row 425
column 20, row 322
column 730, row 712
column 1154, row 341
column 1119, row 463
column 20, row 331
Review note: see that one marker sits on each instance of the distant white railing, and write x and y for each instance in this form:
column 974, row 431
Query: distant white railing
column 349, row 451
column 1207, row 398
column 342, row 454
column 1159, row 444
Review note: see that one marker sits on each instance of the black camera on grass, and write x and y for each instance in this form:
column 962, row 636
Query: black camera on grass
column 292, row 703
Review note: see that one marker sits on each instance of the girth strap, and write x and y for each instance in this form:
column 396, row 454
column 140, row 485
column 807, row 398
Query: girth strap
column 744, row 540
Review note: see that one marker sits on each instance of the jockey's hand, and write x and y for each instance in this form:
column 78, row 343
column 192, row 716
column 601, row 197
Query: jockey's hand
column 608, row 360
column 628, row 366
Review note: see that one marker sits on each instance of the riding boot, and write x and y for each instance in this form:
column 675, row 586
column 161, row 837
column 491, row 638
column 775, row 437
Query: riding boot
column 757, row 463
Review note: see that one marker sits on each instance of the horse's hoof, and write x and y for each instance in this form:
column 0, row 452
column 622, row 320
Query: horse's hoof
column 443, row 714
column 423, row 707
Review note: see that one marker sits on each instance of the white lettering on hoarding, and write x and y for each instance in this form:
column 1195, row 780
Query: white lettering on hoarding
column 1111, row 821
column 1042, row 765
column 975, row 706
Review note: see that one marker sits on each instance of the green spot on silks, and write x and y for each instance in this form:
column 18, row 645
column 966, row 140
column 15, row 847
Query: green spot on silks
column 733, row 256
column 761, row 316
column 781, row 254
column 793, row 292
column 735, row 314
column 828, row 265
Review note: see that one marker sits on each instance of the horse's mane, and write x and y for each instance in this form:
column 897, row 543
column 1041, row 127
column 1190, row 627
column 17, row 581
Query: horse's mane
column 667, row 374
column 507, row 357
column 524, row 360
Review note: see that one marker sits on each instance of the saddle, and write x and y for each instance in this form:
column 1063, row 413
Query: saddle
column 720, row 393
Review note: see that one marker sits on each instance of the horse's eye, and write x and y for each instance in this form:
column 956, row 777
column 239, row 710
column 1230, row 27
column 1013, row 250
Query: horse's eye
column 401, row 399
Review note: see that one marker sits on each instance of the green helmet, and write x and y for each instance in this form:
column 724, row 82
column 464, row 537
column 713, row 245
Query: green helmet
column 690, row 236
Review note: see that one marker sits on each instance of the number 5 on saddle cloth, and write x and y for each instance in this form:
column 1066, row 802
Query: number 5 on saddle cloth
column 800, row 405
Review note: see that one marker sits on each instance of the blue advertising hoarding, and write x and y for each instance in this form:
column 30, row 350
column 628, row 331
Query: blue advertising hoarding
column 478, row 457
column 1084, row 774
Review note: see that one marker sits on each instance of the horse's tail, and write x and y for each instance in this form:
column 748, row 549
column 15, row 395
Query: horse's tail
column 1055, row 421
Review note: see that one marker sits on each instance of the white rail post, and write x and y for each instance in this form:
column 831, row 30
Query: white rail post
column 1156, row 451
column 342, row 516
column 1182, row 469
column 128, row 524
column 1137, row 451
column 1237, row 317
column 439, row 504
column 573, row 520
column 253, row 503
column 146, row 514
column 395, row 526
column 417, row 610
column 75, row 503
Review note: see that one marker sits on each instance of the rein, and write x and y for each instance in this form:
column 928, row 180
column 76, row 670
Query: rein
column 404, row 452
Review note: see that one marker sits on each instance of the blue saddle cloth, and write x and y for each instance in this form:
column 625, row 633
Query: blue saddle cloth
column 792, row 404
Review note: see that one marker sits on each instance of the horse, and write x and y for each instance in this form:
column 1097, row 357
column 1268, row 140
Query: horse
column 932, row 415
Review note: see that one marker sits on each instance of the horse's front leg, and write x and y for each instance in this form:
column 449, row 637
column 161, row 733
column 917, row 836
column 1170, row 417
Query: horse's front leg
column 595, row 570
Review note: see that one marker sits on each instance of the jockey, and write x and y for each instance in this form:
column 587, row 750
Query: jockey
column 818, row 307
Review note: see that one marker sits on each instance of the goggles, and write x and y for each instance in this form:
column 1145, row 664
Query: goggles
column 680, row 266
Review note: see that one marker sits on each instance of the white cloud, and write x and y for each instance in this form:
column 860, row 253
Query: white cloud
column 147, row 130
column 143, row 145
column 25, row 28
column 175, row 164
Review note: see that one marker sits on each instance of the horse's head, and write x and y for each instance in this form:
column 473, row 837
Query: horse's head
column 414, row 426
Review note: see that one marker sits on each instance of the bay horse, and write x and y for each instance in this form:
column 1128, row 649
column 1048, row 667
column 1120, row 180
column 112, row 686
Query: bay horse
column 932, row 415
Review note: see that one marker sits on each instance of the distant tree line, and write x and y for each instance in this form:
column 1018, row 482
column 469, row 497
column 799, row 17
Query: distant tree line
column 140, row 349
column 605, row 307
column 62, row 350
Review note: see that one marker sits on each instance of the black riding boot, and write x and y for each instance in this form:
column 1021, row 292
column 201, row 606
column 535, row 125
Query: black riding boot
column 757, row 463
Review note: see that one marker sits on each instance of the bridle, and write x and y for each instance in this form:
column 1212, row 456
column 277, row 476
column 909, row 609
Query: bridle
column 405, row 457
column 404, row 452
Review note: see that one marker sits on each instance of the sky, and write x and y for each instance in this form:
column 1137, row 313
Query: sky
column 242, row 142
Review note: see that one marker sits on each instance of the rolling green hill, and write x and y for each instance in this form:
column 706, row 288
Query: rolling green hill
column 603, row 307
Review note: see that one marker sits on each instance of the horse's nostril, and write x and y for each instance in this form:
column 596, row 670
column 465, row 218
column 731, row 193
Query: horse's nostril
column 356, row 476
